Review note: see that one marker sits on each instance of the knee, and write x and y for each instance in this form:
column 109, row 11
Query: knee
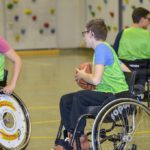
column 62, row 101
column 66, row 100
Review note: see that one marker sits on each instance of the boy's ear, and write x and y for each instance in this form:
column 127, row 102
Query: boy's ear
column 142, row 19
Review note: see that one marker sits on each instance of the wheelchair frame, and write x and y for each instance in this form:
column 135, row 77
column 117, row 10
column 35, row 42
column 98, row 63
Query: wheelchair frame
column 93, row 111
column 99, row 136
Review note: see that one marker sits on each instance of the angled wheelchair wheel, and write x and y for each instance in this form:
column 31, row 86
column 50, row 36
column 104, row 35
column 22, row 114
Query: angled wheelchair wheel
column 15, row 127
column 123, row 124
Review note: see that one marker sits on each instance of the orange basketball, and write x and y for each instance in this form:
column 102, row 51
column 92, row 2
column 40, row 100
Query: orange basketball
column 83, row 84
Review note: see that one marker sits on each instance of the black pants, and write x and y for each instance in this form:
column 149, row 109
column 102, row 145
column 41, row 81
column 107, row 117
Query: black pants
column 73, row 105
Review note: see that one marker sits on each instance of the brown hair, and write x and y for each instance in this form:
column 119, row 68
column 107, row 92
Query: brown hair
column 138, row 13
column 98, row 27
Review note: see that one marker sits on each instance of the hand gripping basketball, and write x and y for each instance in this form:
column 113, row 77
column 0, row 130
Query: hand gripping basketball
column 83, row 84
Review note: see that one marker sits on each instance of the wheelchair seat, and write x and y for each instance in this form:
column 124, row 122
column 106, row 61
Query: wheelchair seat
column 142, row 67
column 93, row 110
column 130, row 79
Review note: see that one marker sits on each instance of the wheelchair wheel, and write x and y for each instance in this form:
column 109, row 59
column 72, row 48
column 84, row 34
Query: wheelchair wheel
column 123, row 124
column 15, row 127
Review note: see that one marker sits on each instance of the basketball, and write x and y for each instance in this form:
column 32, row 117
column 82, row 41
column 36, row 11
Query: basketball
column 83, row 84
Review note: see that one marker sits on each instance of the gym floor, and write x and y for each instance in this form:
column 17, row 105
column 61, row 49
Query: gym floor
column 45, row 77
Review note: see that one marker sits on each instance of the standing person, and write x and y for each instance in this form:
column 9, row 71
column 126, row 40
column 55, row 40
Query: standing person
column 8, row 52
column 133, row 44
column 107, row 76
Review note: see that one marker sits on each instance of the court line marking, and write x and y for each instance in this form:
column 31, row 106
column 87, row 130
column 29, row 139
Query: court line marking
column 44, row 122
column 49, row 137
column 42, row 107
column 141, row 132
column 38, row 52
column 42, row 137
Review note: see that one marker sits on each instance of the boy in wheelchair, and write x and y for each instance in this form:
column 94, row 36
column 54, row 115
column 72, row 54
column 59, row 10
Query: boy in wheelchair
column 133, row 47
column 108, row 77
column 15, row 127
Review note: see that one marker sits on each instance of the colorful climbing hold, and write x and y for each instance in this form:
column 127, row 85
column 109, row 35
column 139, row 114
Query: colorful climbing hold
column 15, row 1
column 27, row 11
column 126, row 1
column 52, row 11
column 10, row 6
column 16, row 18
column 93, row 14
column 99, row 8
column 41, row 31
column 23, row 31
column 34, row 18
column 111, row 14
column 52, row 31
column 17, row 37
column 46, row 25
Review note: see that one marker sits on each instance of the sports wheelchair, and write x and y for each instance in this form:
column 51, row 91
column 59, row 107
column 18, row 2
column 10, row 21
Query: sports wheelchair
column 142, row 68
column 118, row 124
column 15, row 126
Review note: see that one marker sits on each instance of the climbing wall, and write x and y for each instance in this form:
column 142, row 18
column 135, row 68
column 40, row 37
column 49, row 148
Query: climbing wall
column 31, row 23
column 128, row 7
column 107, row 10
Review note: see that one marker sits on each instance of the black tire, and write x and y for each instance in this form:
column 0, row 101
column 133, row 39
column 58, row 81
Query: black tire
column 120, row 125
column 15, row 126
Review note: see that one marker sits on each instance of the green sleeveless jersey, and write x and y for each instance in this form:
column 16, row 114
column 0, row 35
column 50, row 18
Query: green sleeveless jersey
column 2, row 60
column 113, row 80
column 134, row 44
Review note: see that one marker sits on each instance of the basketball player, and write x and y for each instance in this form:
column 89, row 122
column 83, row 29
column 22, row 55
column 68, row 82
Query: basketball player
column 107, row 76
column 132, row 44
column 8, row 52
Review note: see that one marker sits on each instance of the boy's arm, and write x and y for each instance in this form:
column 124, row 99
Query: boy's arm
column 17, row 63
column 125, row 68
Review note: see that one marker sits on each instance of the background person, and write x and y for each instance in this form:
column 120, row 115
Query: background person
column 133, row 44
column 8, row 52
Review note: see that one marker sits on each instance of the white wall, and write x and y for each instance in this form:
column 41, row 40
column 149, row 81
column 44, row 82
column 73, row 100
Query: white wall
column 70, row 21
column 102, row 9
column 2, row 33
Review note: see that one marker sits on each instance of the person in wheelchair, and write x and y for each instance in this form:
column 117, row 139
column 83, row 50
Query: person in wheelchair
column 107, row 76
column 132, row 44
column 7, row 51
column 15, row 119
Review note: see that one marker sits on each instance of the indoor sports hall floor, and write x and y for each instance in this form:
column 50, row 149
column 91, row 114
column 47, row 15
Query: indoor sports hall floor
column 45, row 77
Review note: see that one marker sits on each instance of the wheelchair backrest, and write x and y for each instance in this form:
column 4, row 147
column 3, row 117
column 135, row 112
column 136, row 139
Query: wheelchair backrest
column 130, row 79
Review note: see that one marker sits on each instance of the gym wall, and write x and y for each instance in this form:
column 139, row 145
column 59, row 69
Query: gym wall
column 48, row 24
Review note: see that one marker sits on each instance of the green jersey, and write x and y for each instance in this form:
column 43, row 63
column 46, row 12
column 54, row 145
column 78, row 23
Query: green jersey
column 134, row 44
column 113, row 80
column 2, row 60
